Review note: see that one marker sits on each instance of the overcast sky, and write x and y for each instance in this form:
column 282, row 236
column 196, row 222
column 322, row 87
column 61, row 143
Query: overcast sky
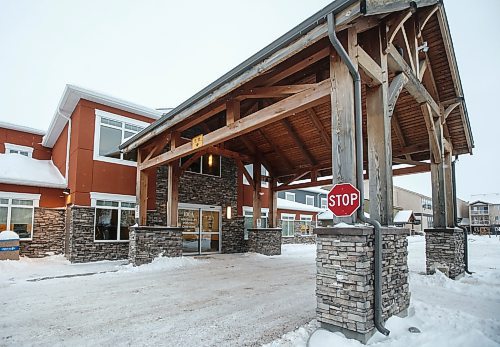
column 159, row 53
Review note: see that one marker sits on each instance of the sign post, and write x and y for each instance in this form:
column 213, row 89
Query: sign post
column 343, row 199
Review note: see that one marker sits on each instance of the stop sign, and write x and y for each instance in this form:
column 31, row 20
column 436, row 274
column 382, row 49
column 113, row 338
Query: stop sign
column 343, row 199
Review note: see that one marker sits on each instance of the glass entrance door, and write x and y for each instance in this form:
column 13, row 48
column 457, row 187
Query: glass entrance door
column 202, row 228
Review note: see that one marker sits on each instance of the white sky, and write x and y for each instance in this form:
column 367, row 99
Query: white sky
column 159, row 53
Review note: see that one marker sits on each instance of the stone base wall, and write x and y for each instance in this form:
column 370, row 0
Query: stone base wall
column 147, row 243
column 233, row 235
column 345, row 278
column 48, row 233
column 444, row 250
column 299, row 239
column 265, row 241
column 81, row 246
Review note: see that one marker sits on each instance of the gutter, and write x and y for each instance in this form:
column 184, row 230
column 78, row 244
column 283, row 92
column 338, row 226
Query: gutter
column 378, row 320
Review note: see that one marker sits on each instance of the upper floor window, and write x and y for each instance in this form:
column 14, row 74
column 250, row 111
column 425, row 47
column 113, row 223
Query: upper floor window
column 290, row 196
column 17, row 213
column 324, row 203
column 18, row 149
column 209, row 164
column 427, row 204
column 310, row 200
column 111, row 130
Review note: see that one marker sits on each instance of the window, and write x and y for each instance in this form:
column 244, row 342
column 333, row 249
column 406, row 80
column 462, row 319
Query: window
column 426, row 204
column 209, row 164
column 324, row 204
column 248, row 223
column 110, row 131
column 287, row 224
column 263, row 172
column 18, row 149
column 113, row 217
column 306, row 225
column 290, row 196
column 17, row 213
column 310, row 200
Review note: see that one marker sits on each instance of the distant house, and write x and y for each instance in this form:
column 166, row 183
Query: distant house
column 484, row 214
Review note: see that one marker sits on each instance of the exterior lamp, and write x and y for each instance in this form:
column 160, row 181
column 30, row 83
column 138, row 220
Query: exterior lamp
column 210, row 160
column 228, row 212
column 66, row 191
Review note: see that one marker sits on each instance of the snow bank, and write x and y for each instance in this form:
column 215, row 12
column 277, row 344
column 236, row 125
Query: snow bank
column 163, row 264
column 18, row 169
column 8, row 235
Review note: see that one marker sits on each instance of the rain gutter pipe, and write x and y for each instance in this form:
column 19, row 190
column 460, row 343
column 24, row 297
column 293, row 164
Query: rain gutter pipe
column 455, row 217
column 378, row 320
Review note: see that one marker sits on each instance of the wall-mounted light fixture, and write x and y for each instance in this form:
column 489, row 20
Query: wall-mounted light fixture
column 66, row 191
column 229, row 212
column 210, row 160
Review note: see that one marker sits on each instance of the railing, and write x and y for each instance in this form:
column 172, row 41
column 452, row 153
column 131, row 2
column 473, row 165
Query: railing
column 476, row 213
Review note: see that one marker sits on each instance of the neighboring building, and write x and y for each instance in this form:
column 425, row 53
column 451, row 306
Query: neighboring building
column 484, row 214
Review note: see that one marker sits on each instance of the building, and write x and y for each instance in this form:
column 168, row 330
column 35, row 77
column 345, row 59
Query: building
column 70, row 190
column 484, row 214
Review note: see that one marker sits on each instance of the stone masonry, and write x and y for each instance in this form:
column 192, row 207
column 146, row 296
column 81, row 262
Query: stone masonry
column 147, row 243
column 345, row 278
column 444, row 250
column 81, row 245
column 300, row 239
column 48, row 233
column 205, row 190
column 265, row 241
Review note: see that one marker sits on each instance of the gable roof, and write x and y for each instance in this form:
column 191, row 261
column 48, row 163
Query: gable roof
column 73, row 94
column 21, row 128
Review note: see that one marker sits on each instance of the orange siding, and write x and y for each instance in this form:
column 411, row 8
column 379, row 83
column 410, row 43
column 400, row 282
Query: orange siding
column 50, row 197
column 24, row 139
column 59, row 151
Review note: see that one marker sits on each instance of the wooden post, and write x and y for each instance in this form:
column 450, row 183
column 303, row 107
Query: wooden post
column 173, row 186
column 141, row 189
column 257, row 200
column 273, row 203
column 379, row 142
column 343, row 123
column 438, row 181
column 450, row 223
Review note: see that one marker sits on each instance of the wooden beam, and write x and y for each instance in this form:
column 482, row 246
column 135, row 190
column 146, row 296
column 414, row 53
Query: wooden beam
column 141, row 188
column 232, row 111
column 423, row 17
column 411, row 38
column 272, row 92
column 275, row 148
column 325, row 137
column 399, row 133
column 412, row 149
column 296, row 177
column 256, row 154
column 423, row 66
column 407, row 40
column 173, row 186
column 439, row 184
column 434, row 141
column 449, row 110
column 245, row 172
column 272, row 203
column 230, row 154
column 370, row 66
column 292, row 133
column 413, row 86
column 397, row 23
column 161, row 142
column 410, row 162
column 410, row 170
column 277, row 111
column 257, row 198
column 395, row 88
column 318, row 183
column 191, row 160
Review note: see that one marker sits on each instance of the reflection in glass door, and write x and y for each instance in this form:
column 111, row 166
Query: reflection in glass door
column 202, row 227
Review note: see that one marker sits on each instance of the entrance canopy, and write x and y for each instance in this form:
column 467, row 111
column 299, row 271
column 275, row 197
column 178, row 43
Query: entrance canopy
column 291, row 103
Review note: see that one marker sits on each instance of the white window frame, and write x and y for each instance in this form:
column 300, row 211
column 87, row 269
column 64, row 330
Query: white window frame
column 94, row 197
column 287, row 194
column 287, row 217
column 201, row 167
column 18, row 148
column 307, row 219
column 263, row 171
column 313, row 200
column 99, row 114
column 324, row 203
column 21, row 196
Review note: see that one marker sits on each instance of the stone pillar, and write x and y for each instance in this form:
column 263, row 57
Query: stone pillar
column 265, row 241
column 444, row 251
column 345, row 277
column 148, row 242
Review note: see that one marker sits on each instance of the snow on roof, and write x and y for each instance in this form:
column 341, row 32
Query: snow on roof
column 317, row 190
column 328, row 215
column 492, row 198
column 21, row 128
column 70, row 98
column 403, row 216
column 8, row 235
column 20, row 170
column 297, row 206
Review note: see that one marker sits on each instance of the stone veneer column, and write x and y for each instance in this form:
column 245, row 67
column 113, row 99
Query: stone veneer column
column 149, row 242
column 444, row 251
column 265, row 241
column 345, row 277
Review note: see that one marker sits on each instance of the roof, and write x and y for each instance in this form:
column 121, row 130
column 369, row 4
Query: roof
column 73, row 94
column 20, row 170
column 403, row 216
column 491, row 198
column 465, row 221
column 296, row 206
column 21, row 128
column 328, row 215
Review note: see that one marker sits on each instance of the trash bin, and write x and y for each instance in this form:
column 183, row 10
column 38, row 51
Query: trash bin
column 9, row 245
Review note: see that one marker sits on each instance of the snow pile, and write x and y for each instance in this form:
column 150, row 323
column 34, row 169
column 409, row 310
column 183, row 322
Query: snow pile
column 8, row 235
column 18, row 169
column 163, row 264
column 294, row 250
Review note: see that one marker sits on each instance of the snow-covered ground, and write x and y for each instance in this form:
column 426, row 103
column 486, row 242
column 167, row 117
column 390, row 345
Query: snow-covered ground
column 231, row 300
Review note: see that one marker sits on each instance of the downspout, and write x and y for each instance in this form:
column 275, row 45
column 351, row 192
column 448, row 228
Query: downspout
column 378, row 320
column 455, row 217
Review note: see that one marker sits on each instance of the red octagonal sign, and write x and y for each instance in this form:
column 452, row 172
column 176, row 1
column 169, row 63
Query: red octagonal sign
column 343, row 199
